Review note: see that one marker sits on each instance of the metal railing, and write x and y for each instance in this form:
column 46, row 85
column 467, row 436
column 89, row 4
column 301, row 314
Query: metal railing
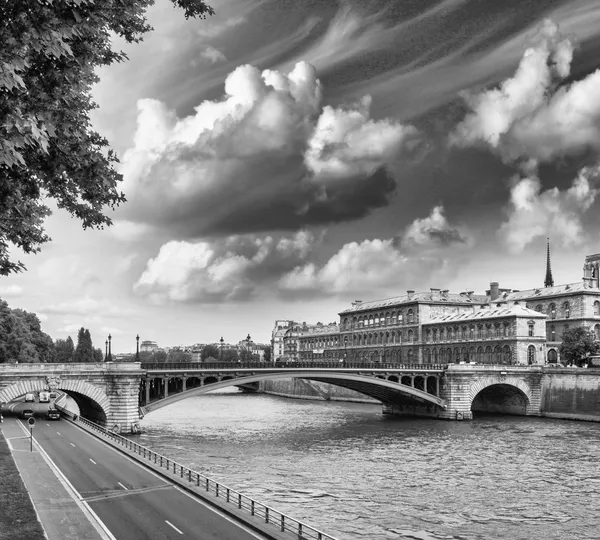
column 282, row 522
column 234, row 366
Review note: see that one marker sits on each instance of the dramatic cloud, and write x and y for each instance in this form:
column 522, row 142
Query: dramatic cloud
column 380, row 265
column 432, row 231
column 536, row 114
column 227, row 270
column 265, row 157
column 534, row 213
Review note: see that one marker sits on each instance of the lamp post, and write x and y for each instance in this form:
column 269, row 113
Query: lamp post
column 249, row 355
column 109, row 348
column 106, row 351
column 221, row 341
column 137, row 348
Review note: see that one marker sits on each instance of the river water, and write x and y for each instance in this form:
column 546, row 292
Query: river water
column 348, row 470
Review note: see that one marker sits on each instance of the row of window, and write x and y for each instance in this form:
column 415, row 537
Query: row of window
column 379, row 319
column 479, row 331
column 565, row 312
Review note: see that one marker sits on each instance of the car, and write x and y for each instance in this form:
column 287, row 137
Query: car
column 52, row 395
column 29, row 397
column 44, row 397
column 26, row 413
column 53, row 414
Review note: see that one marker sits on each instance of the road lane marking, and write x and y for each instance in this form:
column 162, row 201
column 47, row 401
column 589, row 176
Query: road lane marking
column 93, row 461
column 59, row 433
column 122, row 485
column 48, row 425
column 93, row 518
column 169, row 523
column 194, row 496
column 72, row 445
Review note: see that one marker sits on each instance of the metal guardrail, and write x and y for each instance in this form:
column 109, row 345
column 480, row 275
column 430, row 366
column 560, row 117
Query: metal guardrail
column 232, row 366
column 283, row 522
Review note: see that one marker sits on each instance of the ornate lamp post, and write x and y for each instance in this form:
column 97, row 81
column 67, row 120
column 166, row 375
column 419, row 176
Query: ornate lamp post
column 109, row 348
column 221, row 341
column 106, row 351
column 137, row 348
column 249, row 355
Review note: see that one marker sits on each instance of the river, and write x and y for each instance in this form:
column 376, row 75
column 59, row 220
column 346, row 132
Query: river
column 354, row 473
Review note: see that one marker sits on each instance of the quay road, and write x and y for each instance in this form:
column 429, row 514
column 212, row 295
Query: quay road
column 132, row 502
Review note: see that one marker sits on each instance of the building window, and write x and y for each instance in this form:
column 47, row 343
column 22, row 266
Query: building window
column 498, row 330
column 471, row 332
column 410, row 336
column 531, row 355
column 597, row 332
column 552, row 311
column 410, row 316
column 530, row 329
column 552, row 336
column 428, row 335
column 434, row 335
column 410, row 356
column 566, row 310
column 596, row 309
column 552, row 356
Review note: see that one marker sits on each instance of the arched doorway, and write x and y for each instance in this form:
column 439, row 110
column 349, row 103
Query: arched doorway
column 500, row 399
column 552, row 356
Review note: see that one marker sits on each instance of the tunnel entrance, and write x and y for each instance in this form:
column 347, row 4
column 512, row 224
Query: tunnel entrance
column 500, row 399
column 88, row 408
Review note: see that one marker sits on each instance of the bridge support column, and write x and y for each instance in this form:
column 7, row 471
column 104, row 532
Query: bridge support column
column 148, row 383
column 166, row 385
column 184, row 386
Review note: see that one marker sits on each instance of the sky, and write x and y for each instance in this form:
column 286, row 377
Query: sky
column 282, row 159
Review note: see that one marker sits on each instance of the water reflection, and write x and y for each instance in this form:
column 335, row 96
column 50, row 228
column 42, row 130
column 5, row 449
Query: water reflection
column 347, row 469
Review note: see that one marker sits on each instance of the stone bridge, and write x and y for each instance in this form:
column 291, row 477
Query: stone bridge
column 117, row 395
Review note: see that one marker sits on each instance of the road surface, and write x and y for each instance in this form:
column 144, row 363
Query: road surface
column 131, row 501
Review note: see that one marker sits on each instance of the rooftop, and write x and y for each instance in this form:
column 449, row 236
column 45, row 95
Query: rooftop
column 489, row 313
column 435, row 295
column 332, row 328
column 545, row 292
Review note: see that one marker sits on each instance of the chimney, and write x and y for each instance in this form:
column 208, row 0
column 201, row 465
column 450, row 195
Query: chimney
column 356, row 303
column 494, row 290
column 410, row 293
column 434, row 290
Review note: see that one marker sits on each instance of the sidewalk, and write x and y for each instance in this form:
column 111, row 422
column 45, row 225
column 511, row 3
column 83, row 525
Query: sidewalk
column 62, row 514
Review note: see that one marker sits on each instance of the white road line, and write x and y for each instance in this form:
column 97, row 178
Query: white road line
column 96, row 522
column 93, row 461
column 48, row 425
column 72, row 445
column 169, row 523
column 59, row 433
column 123, row 486
column 196, row 498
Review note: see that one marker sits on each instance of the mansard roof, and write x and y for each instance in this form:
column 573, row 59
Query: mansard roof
column 434, row 296
column 332, row 328
column 493, row 312
column 547, row 292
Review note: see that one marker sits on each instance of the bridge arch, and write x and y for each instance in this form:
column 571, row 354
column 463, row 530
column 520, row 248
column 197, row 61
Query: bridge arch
column 92, row 401
column 381, row 389
column 505, row 395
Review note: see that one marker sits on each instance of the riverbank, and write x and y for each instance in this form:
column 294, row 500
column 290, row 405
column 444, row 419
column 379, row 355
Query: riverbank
column 312, row 390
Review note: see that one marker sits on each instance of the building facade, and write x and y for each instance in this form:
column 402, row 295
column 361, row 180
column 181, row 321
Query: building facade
column 277, row 335
column 320, row 342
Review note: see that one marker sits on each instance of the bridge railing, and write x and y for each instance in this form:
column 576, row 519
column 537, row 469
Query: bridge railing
column 196, row 366
column 268, row 515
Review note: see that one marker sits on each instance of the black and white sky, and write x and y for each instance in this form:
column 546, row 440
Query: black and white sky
column 282, row 159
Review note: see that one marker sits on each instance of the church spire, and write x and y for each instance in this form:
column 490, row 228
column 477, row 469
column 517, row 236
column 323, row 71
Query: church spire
column 549, row 281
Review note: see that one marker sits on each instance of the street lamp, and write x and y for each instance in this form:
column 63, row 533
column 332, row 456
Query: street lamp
column 106, row 351
column 221, row 341
column 137, row 348
column 109, row 348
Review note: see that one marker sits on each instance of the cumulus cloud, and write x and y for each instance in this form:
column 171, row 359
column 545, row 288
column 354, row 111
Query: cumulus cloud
column 231, row 269
column 380, row 265
column 533, row 213
column 433, row 230
column 536, row 114
column 213, row 55
column 265, row 157
column 127, row 231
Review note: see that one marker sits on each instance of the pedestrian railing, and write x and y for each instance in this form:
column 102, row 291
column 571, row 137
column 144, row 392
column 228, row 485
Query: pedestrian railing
column 282, row 522
column 232, row 366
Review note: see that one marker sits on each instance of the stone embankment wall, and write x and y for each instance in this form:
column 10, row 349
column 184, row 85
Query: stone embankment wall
column 571, row 393
column 303, row 389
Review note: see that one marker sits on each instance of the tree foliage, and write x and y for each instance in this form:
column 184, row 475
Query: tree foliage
column 48, row 149
column 230, row 355
column 21, row 337
column 208, row 351
column 577, row 344
column 178, row 356
column 84, row 352
column 65, row 348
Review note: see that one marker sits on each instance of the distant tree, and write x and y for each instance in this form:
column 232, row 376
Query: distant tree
column 49, row 57
column 577, row 344
column 98, row 355
column 64, row 350
column 84, row 352
column 160, row 357
column 21, row 337
column 245, row 355
column 208, row 351
column 179, row 356
column 267, row 355
column 230, row 355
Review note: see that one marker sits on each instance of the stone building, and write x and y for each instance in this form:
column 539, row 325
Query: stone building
column 277, row 335
column 319, row 342
column 495, row 334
